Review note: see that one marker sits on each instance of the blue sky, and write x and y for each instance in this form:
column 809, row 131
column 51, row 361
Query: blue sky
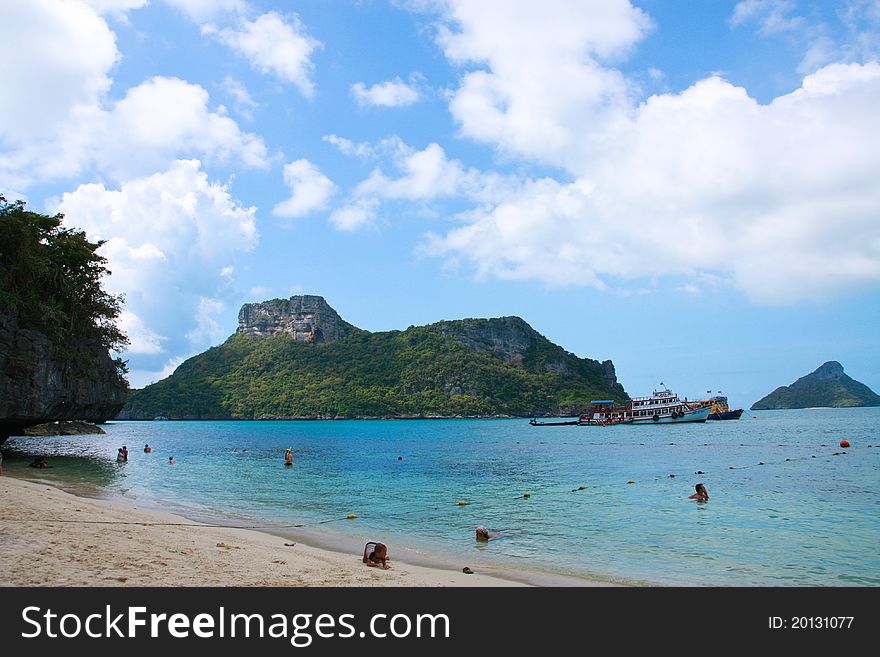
column 686, row 188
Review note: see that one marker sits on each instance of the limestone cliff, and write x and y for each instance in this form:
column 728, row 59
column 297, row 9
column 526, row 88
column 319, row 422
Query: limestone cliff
column 38, row 385
column 305, row 318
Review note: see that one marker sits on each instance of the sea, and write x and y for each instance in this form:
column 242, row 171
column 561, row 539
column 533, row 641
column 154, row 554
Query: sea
column 788, row 505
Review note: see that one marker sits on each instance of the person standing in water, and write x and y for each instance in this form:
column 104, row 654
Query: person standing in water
column 701, row 494
column 288, row 456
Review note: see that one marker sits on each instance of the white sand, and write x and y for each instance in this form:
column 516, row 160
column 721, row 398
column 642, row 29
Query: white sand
column 51, row 538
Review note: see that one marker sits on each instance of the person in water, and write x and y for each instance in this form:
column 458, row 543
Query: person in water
column 376, row 554
column 288, row 456
column 124, row 453
column 147, row 448
column 483, row 534
column 701, row 494
column 39, row 462
column 170, row 460
column 120, row 457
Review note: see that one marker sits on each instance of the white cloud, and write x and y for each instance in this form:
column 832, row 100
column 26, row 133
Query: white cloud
column 538, row 86
column 354, row 215
column 780, row 198
column 772, row 16
column 259, row 292
column 244, row 103
column 60, row 123
column 202, row 10
column 138, row 378
column 348, row 147
column 207, row 330
column 309, row 190
column 274, row 46
column 172, row 241
column 141, row 339
column 393, row 93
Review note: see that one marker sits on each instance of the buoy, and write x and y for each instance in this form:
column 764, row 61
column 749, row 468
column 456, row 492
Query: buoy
column 350, row 516
column 844, row 443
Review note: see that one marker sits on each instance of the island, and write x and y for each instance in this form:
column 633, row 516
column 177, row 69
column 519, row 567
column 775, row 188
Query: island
column 828, row 386
column 297, row 358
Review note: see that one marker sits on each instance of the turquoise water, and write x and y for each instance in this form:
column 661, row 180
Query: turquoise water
column 796, row 520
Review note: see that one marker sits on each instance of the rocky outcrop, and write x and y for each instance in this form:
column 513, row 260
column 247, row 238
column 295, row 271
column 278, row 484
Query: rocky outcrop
column 828, row 386
column 305, row 318
column 38, row 384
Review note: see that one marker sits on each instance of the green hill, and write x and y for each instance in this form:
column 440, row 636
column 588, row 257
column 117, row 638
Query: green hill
column 297, row 359
column 828, row 386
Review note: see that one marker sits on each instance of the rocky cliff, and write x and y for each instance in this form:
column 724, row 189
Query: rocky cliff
column 38, row 385
column 305, row 318
column 828, row 386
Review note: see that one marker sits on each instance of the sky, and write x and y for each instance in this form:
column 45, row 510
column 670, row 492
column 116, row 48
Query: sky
column 690, row 189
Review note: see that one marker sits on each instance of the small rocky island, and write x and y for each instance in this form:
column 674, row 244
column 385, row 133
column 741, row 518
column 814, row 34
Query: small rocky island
column 298, row 359
column 828, row 386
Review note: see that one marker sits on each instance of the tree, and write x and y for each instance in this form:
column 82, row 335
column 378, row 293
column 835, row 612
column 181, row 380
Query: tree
column 50, row 276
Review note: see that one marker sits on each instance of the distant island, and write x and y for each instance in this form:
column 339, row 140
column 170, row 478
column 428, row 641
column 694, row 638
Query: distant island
column 297, row 358
column 828, row 386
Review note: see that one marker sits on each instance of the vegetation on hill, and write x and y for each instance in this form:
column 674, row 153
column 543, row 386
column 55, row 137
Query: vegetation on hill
column 828, row 386
column 50, row 278
column 465, row 367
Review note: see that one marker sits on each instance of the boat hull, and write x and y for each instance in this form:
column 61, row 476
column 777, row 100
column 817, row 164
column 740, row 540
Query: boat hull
column 727, row 415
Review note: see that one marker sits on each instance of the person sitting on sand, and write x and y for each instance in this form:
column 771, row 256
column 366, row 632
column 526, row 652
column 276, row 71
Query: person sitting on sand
column 288, row 456
column 701, row 493
column 483, row 534
column 147, row 448
column 376, row 554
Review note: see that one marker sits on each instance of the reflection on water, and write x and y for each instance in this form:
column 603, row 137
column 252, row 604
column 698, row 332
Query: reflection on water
column 807, row 516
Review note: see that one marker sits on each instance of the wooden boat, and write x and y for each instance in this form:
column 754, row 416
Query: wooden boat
column 534, row 422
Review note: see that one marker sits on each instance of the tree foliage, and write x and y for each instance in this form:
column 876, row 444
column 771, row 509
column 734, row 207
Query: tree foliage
column 51, row 276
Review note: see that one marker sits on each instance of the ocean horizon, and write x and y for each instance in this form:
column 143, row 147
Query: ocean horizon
column 788, row 506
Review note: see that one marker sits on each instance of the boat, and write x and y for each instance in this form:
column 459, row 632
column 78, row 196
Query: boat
column 534, row 422
column 719, row 410
column 661, row 407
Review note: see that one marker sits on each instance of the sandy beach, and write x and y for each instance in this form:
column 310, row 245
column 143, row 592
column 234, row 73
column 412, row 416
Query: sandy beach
column 49, row 537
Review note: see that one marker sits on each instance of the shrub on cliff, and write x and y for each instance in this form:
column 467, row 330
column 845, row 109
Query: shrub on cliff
column 50, row 277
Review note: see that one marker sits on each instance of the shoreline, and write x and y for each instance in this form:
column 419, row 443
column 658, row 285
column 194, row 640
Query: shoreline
column 83, row 541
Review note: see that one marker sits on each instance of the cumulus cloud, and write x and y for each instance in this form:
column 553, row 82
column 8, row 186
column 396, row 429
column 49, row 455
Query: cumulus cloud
column 171, row 240
column 393, row 93
column 60, row 123
column 309, row 188
column 779, row 198
column 536, row 83
column 274, row 46
column 355, row 214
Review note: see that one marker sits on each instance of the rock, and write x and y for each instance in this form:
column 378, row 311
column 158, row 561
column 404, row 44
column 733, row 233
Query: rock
column 39, row 385
column 75, row 428
column 306, row 318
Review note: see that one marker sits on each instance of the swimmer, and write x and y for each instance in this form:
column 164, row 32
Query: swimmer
column 376, row 554
column 701, row 493
column 147, row 448
column 120, row 457
column 170, row 460
column 483, row 534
